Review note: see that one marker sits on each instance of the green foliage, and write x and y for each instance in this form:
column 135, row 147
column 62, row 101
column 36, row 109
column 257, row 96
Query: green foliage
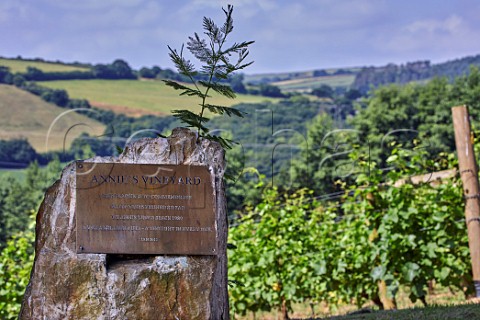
column 416, row 112
column 410, row 234
column 324, row 91
column 18, row 207
column 58, row 97
column 20, row 65
column 240, row 183
column 18, row 197
column 294, row 248
column 371, row 77
column 314, row 170
column 271, row 136
column 16, row 262
column 216, row 68
column 271, row 259
column 5, row 75
column 236, row 82
column 269, row 90
column 16, row 153
column 119, row 69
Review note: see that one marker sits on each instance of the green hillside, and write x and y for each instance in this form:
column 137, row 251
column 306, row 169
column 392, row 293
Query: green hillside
column 23, row 115
column 18, row 174
column 303, row 81
column 307, row 84
column 21, row 66
column 136, row 98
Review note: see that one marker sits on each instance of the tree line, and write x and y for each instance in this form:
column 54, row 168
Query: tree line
column 372, row 77
column 58, row 97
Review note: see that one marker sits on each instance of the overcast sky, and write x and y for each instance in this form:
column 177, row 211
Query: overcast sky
column 289, row 35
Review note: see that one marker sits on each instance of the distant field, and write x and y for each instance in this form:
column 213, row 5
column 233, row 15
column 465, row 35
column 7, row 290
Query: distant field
column 18, row 174
column 135, row 98
column 21, row 66
column 23, row 115
column 298, row 75
column 307, row 84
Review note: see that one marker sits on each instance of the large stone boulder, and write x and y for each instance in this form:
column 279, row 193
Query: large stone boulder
column 67, row 285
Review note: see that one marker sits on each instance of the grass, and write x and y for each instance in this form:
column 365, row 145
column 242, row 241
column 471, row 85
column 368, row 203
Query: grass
column 307, row 84
column 23, row 115
column 135, row 98
column 304, row 81
column 18, row 174
column 21, row 66
column 282, row 76
column 435, row 312
column 464, row 312
column 443, row 304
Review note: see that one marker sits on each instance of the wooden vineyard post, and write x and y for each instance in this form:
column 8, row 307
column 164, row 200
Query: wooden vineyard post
column 469, row 174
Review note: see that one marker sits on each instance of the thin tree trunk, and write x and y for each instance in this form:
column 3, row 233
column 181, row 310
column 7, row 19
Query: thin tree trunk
column 388, row 303
column 284, row 309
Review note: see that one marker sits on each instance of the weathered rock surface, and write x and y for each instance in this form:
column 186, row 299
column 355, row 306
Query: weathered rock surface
column 67, row 285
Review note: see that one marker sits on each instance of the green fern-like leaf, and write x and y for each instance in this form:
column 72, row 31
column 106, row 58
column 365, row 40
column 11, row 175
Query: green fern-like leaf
column 198, row 47
column 229, row 111
column 224, row 90
column 192, row 119
column 237, row 47
column 183, row 65
column 212, row 31
column 186, row 90
column 217, row 64
column 225, row 143
column 228, row 25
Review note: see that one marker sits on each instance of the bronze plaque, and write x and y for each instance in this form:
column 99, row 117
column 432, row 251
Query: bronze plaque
column 144, row 209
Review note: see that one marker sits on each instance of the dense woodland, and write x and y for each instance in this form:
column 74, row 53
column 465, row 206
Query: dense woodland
column 299, row 176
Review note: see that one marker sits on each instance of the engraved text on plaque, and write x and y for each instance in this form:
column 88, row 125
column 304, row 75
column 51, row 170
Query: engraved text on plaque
column 144, row 209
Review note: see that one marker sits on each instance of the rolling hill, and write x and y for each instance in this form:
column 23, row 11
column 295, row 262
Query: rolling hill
column 307, row 84
column 18, row 65
column 139, row 97
column 142, row 97
column 304, row 81
column 23, row 115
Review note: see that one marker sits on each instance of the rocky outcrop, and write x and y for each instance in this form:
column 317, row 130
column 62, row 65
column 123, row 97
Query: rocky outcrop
column 67, row 285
